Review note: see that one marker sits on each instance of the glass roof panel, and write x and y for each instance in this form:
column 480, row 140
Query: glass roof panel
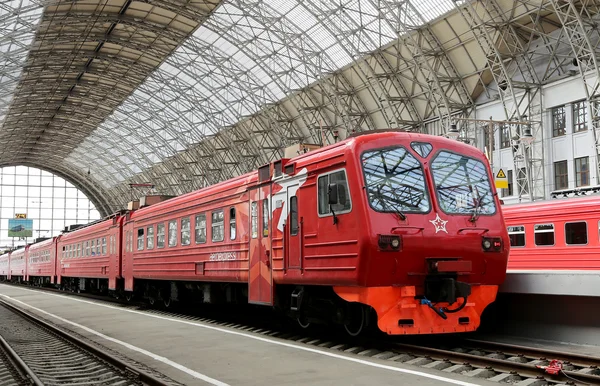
column 242, row 57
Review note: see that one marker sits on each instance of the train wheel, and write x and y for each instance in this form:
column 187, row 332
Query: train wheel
column 129, row 296
column 303, row 322
column 167, row 302
column 358, row 319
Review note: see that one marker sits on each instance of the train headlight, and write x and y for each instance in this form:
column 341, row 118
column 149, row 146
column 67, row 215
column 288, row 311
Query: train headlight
column 487, row 244
column 491, row 244
column 390, row 242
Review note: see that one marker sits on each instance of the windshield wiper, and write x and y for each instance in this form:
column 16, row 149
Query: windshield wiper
column 475, row 215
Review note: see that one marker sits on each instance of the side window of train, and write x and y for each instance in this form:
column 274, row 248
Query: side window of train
column 576, row 233
column 185, row 231
column 150, row 237
column 544, row 234
column 104, row 246
column 218, row 226
column 516, row 234
column 140, row 239
column 201, row 228
column 343, row 203
column 160, row 236
column 232, row 232
column 293, row 215
column 265, row 217
column 98, row 247
column 254, row 219
column 172, row 233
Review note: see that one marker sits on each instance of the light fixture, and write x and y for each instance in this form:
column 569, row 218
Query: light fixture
column 527, row 138
column 453, row 133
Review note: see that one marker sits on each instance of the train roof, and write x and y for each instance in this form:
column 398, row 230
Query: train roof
column 251, row 178
column 571, row 204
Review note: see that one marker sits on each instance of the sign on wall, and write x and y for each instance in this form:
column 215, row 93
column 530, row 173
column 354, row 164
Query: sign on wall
column 501, row 180
column 20, row 227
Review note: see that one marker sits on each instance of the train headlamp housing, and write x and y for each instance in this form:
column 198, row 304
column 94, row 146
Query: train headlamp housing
column 390, row 242
column 491, row 244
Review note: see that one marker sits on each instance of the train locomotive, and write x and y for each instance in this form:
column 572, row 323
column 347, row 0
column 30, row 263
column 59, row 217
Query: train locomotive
column 399, row 230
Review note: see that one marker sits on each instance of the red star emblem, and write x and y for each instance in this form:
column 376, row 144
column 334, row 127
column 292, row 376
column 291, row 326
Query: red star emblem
column 439, row 224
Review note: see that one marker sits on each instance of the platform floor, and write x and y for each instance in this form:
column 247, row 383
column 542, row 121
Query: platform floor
column 194, row 353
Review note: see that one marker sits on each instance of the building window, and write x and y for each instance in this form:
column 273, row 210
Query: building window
column 506, row 192
column 516, row 234
column 582, row 171
column 218, row 226
column 561, row 175
column 558, row 121
column 522, row 182
column 579, row 116
column 150, row 237
column 504, row 136
column 232, row 223
column 185, row 231
column 200, row 228
column 160, row 236
column 576, row 233
column 544, row 234
column 172, row 233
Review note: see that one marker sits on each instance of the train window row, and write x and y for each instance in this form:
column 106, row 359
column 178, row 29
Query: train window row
column 146, row 235
column 94, row 247
column 544, row 235
column 39, row 257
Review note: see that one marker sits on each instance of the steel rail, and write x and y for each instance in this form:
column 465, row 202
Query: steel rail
column 19, row 364
column 141, row 375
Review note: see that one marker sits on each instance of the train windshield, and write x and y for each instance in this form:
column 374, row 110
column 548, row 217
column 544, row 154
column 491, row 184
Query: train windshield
column 395, row 181
column 462, row 184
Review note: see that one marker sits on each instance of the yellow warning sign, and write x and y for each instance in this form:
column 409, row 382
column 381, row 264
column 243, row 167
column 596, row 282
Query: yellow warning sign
column 501, row 180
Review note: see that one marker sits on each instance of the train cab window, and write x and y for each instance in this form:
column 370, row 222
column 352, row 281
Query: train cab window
column 172, row 233
column 104, row 246
column 576, row 233
column 516, row 234
column 150, row 237
column 200, row 228
column 293, row 215
column 344, row 204
column 254, row 219
column 232, row 223
column 185, row 231
column 218, row 226
column 544, row 234
column 160, row 236
column 140, row 239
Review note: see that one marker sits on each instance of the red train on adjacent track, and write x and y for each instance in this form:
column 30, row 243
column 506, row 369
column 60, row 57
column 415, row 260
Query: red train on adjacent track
column 401, row 229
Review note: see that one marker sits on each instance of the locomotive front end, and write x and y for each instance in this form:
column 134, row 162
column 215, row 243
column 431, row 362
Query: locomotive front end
column 438, row 245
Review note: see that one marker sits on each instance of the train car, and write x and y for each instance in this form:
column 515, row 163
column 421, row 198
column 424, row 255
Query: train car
column 400, row 229
column 41, row 262
column 17, row 265
column 554, row 246
column 89, row 257
column 4, row 266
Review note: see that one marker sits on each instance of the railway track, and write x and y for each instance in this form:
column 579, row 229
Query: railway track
column 475, row 359
column 42, row 354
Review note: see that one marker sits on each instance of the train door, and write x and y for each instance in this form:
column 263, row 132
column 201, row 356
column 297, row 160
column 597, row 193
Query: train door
column 292, row 231
column 260, row 278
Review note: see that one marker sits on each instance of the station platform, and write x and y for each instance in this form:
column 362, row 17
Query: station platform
column 552, row 282
column 194, row 353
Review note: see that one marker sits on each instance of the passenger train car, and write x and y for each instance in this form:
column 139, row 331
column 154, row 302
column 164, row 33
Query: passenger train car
column 397, row 229
column 554, row 246
column 41, row 262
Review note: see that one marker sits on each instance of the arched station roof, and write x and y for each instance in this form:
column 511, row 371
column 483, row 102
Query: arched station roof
column 181, row 94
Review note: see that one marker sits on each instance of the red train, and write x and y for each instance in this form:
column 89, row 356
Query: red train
column 556, row 235
column 396, row 228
